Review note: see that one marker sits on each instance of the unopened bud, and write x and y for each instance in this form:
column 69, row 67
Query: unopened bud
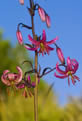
column 19, row 37
column 41, row 13
column 21, row 2
column 60, row 55
column 48, row 22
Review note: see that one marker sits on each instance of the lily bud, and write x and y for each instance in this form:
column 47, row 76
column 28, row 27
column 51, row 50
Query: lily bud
column 60, row 55
column 41, row 13
column 21, row 2
column 48, row 22
column 19, row 37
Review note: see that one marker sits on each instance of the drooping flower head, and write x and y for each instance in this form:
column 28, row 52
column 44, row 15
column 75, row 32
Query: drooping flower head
column 12, row 78
column 42, row 46
column 70, row 70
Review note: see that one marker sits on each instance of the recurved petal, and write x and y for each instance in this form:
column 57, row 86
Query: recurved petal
column 50, row 48
column 69, row 64
column 59, row 70
column 28, row 48
column 5, row 72
column 21, row 86
column 19, row 75
column 75, row 64
column 73, row 80
column 76, row 77
column 58, row 76
column 4, row 77
column 29, row 79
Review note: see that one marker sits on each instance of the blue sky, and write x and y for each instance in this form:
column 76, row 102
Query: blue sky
column 66, row 23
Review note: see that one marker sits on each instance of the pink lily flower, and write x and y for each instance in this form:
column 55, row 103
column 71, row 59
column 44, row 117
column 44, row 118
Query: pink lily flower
column 19, row 37
column 12, row 78
column 48, row 22
column 41, row 13
column 70, row 70
column 42, row 44
column 21, row 2
column 60, row 55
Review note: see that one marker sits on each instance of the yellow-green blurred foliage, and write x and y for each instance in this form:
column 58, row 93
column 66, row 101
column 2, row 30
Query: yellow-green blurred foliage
column 16, row 108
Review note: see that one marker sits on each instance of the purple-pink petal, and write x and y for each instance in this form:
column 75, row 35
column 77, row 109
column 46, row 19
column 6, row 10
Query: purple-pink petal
column 4, row 80
column 69, row 65
column 21, row 86
column 75, row 64
column 19, row 75
column 7, row 77
column 76, row 77
column 28, row 48
column 33, row 84
column 52, row 41
column 50, row 48
column 73, row 80
column 33, row 41
column 58, row 76
column 5, row 72
column 29, row 79
column 59, row 70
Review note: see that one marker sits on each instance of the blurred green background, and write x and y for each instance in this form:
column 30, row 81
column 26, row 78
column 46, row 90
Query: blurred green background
column 14, row 107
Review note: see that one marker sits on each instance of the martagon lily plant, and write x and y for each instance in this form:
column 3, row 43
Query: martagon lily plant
column 40, row 46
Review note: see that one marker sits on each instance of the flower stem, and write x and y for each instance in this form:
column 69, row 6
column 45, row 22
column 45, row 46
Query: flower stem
column 36, row 90
column 36, row 75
